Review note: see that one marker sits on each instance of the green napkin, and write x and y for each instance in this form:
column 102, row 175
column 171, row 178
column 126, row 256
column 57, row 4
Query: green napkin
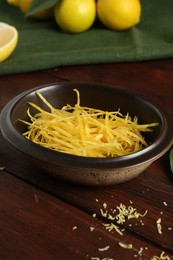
column 42, row 45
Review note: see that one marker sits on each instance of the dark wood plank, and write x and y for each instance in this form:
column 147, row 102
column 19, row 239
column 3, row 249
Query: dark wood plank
column 146, row 192
column 35, row 225
column 152, row 79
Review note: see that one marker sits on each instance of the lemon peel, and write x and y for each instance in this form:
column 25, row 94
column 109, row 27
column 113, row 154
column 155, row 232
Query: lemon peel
column 8, row 40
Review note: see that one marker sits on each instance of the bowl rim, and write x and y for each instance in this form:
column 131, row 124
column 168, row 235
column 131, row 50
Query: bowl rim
column 160, row 146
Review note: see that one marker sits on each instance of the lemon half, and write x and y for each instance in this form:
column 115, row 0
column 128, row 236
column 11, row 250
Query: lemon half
column 8, row 40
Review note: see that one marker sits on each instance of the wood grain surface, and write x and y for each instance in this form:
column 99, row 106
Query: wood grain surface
column 44, row 218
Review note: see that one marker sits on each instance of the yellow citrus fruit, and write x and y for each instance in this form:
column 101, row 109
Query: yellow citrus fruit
column 75, row 16
column 119, row 14
column 8, row 40
column 24, row 6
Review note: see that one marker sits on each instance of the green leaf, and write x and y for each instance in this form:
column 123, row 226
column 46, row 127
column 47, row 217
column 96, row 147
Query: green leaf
column 39, row 5
column 171, row 160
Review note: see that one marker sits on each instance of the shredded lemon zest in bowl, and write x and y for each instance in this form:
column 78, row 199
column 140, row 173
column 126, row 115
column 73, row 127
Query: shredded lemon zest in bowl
column 85, row 131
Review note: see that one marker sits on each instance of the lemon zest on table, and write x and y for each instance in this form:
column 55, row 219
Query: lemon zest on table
column 126, row 246
column 161, row 257
column 85, row 131
column 159, row 226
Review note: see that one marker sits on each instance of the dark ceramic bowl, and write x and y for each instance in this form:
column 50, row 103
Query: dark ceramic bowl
column 85, row 170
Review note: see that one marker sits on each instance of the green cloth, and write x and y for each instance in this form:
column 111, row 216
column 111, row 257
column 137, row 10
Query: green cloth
column 42, row 45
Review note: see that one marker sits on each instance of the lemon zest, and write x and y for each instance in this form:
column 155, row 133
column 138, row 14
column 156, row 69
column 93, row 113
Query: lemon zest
column 85, row 131
column 161, row 257
column 126, row 246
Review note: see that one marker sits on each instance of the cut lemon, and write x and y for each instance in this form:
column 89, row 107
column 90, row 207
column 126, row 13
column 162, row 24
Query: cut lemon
column 8, row 40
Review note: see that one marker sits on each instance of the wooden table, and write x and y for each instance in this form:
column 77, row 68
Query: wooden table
column 43, row 218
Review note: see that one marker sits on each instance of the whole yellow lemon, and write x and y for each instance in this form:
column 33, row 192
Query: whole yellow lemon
column 119, row 14
column 75, row 16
